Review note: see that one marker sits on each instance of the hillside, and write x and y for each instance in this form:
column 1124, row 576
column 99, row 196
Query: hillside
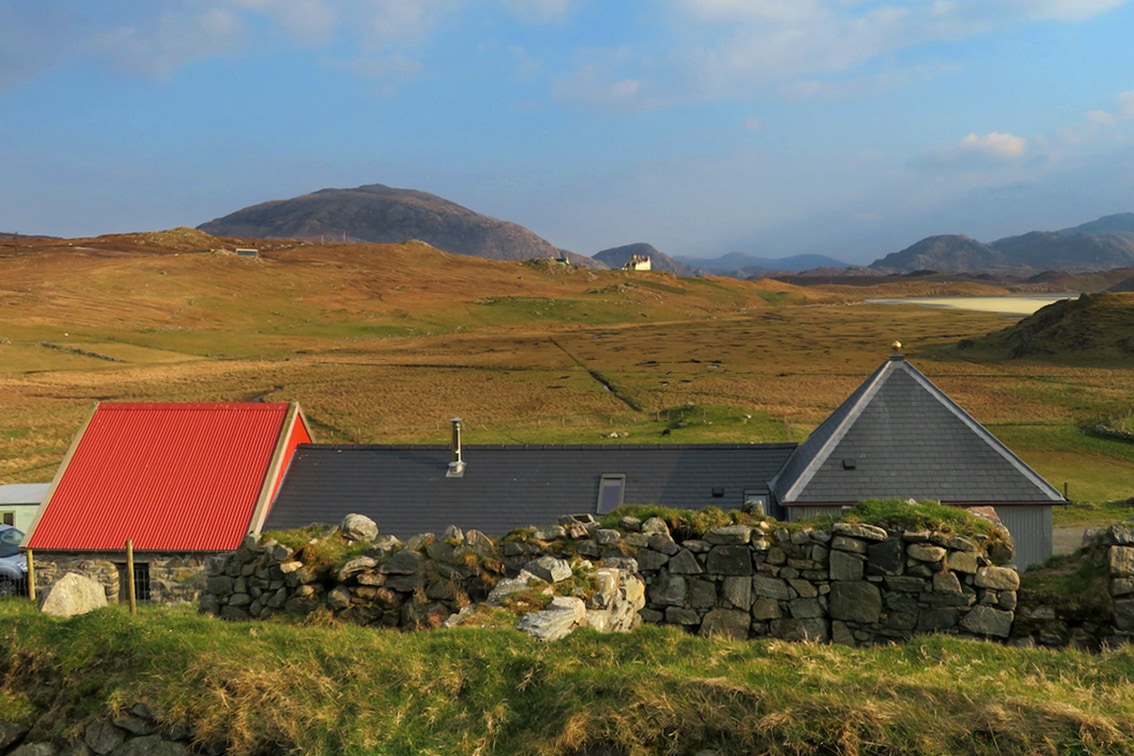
column 380, row 214
column 383, row 343
column 616, row 257
column 1095, row 328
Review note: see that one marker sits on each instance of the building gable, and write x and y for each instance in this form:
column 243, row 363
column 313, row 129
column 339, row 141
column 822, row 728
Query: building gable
column 899, row 436
column 169, row 477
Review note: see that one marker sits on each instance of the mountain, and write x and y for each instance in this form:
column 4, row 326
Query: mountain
column 381, row 214
column 743, row 265
column 616, row 257
column 1099, row 245
column 1121, row 224
column 949, row 253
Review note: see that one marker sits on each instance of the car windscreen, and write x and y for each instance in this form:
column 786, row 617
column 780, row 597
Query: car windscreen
column 10, row 542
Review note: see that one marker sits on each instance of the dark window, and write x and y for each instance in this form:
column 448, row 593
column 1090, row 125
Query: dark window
column 141, row 582
column 610, row 492
column 8, row 518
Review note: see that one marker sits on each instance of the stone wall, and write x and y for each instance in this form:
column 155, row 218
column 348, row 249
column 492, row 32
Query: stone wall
column 174, row 578
column 133, row 733
column 1104, row 618
column 424, row 583
column 855, row 584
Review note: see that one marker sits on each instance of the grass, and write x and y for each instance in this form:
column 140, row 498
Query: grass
column 330, row 689
column 922, row 515
column 1077, row 583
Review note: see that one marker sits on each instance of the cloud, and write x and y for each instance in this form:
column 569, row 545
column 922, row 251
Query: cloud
column 1065, row 10
column 155, row 39
column 540, row 10
column 1097, row 123
column 975, row 152
column 737, row 48
column 156, row 49
column 994, row 145
column 602, row 80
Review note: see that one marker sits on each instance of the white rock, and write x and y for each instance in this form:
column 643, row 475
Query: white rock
column 73, row 594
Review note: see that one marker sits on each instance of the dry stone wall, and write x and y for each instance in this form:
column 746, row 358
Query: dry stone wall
column 854, row 584
column 1104, row 621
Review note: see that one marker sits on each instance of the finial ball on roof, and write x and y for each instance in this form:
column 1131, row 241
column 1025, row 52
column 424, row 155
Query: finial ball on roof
column 897, row 345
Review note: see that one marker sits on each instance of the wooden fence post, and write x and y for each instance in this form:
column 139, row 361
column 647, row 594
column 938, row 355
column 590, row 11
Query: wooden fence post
column 31, row 575
column 130, row 578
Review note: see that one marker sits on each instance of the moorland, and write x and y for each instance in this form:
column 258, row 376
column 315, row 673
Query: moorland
column 383, row 343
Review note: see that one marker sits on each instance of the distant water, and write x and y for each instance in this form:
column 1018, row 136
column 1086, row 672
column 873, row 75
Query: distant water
column 1009, row 305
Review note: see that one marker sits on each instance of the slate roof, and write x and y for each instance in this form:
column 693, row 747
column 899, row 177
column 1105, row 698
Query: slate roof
column 899, row 436
column 169, row 477
column 404, row 489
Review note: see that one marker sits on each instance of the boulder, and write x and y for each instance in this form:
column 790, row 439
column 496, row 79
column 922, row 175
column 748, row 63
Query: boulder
column 357, row 527
column 549, row 569
column 556, row 621
column 73, row 594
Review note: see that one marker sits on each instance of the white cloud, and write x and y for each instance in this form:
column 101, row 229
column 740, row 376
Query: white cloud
column 995, row 145
column 1064, row 10
column 991, row 152
column 734, row 48
column 159, row 46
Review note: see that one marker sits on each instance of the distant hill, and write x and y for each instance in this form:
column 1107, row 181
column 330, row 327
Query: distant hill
column 1093, row 327
column 1099, row 245
column 948, row 253
column 1127, row 285
column 1121, row 224
column 381, row 214
column 616, row 257
column 744, row 265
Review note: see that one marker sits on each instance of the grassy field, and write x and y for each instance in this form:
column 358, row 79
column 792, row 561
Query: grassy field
column 383, row 343
column 323, row 689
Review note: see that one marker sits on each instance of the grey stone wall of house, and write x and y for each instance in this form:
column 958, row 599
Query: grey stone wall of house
column 1107, row 621
column 854, row 584
column 173, row 577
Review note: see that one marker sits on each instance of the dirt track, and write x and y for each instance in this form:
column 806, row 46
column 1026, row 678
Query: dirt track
column 1066, row 540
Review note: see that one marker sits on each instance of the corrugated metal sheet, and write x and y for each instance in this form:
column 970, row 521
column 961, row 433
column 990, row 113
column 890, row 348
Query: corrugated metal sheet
column 170, row 477
column 1030, row 527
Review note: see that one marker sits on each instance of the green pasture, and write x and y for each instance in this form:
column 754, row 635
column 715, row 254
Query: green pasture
column 315, row 687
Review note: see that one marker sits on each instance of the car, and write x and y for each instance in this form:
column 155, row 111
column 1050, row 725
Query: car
column 13, row 564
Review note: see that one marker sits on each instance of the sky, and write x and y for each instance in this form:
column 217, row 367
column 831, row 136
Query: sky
column 850, row 128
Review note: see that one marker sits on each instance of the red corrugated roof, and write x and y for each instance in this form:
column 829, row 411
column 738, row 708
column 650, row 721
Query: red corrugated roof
column 170, row 477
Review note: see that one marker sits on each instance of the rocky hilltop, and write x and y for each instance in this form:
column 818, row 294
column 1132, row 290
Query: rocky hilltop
column 385, row 215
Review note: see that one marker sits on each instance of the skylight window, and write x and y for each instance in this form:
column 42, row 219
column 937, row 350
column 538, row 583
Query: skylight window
column 611, row 488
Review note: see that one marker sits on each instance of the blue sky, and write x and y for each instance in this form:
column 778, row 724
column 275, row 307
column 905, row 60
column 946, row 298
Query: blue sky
column 850, row 128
